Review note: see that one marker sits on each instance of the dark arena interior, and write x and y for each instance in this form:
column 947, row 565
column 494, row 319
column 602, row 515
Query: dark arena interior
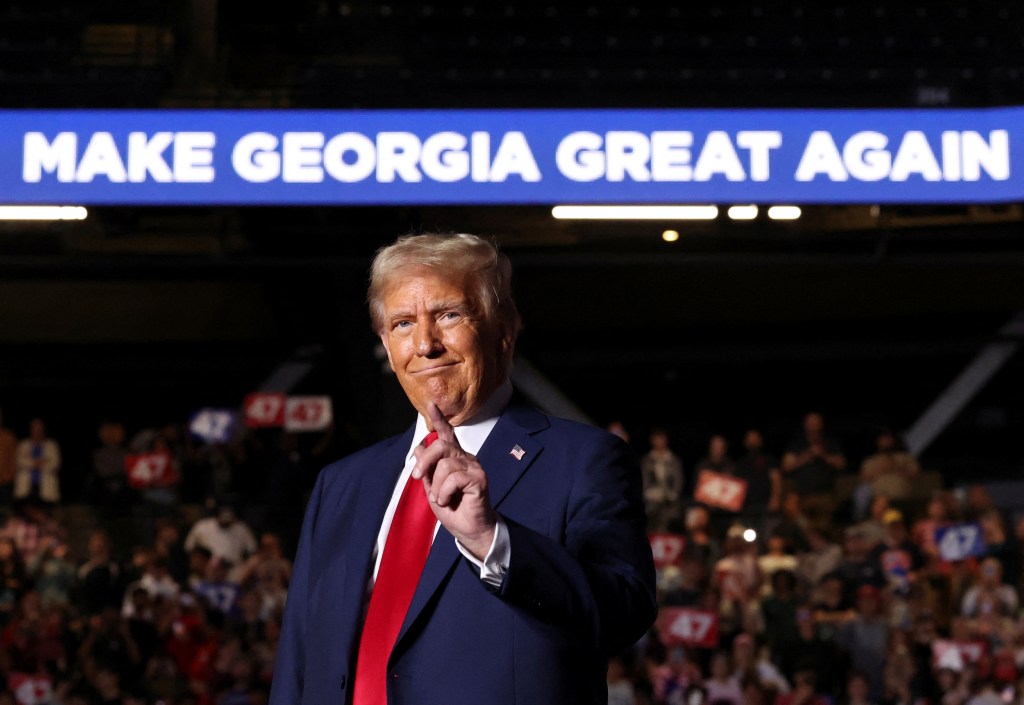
column 892, row 320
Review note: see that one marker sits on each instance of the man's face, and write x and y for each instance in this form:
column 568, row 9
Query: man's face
column 438, row 344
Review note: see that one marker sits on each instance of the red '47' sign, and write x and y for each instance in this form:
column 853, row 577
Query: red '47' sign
column 307, row 413
column 276, row 410
column 683, row 626
column 667, row 548
column 150, row 470
column 264, row 410
column 723, row 491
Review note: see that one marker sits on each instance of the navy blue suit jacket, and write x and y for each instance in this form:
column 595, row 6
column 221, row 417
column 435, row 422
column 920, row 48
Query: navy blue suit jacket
column 579, row 587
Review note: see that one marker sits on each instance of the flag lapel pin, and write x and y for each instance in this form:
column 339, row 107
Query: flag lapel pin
column 517, row 452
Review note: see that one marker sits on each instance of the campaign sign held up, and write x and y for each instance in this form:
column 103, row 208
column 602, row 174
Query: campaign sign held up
column 722, row 491
column 684, row 626
column 264, row 410
column 960, row 541
column 212, row 425
column 150, row 470
column 667, row 548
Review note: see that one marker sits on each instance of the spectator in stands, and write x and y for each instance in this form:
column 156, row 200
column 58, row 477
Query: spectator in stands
column 805, row 690
column 810, row 466
column 900, row 558
column 108, row 484
column 717, row 458
column 620, row 687
column 747, row 661
column 722, row 686
column 13, row 579
column 977, row 501
column 108, row 645
column 29, row 528
column 858, row 689
column 168, row 547
column 938, row 515
column 267, row 573
column 265, row 650
column 1000, row 544
column 792, row 523
column 199, row 562
column 761, row 472
column 157, row 583
column 754, row 693
column 38, row 472
column 924, row 633
column 193, row 643
column 954, row 685
column 831, row 607
column 779, row 612
column 700, row 547
column 866, row 638
column 662, row 481
column 99, row 582
column 776, row 558
column 822, row 556
column 889, row 471
column 8, row 463
column 53, row 573
column 226, row 536
column 268, row 564
column 860, row 566
column 984, row 692
column 899, row 668
column 988, row 601
column 817, row 652
column 32, row 643
column 737, row 580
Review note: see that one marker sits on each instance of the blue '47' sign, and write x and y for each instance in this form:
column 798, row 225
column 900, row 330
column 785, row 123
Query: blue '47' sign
column 960, row 541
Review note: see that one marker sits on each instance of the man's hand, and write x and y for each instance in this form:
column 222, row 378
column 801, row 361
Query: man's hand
column 456, row 486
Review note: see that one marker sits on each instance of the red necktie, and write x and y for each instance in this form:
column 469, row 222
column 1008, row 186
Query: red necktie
column 405, row 554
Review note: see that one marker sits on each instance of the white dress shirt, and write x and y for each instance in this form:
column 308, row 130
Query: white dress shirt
column 471, row 436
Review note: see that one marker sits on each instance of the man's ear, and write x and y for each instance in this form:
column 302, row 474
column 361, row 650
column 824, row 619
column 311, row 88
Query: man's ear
column 506, row 345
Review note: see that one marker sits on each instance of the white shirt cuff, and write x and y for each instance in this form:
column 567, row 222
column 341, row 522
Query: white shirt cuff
column 495, row 564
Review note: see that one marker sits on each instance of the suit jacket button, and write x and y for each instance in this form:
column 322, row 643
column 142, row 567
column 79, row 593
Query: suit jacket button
column 344, row 682
column 394, row 675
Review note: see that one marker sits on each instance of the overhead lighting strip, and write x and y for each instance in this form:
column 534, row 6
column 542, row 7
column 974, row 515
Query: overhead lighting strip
column 635, row 212
column 43, row 213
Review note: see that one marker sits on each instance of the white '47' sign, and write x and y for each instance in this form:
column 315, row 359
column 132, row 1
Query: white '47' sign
column 959, row 541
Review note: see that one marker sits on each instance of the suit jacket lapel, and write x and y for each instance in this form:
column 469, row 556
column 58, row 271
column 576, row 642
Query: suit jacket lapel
column 503, row 471
column 376, row 486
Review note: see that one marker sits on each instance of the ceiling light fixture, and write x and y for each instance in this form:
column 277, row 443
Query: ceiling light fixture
column 43, row 213
column 784, row 212
column 635, row 212
column 742, row 212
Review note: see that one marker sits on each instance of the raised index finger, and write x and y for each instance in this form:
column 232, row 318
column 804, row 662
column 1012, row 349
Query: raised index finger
column 444, row 429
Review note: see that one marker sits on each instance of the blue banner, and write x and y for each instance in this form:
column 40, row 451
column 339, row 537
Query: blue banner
column 511, row 156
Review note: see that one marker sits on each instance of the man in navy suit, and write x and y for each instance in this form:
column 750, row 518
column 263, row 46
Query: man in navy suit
column 535, row 565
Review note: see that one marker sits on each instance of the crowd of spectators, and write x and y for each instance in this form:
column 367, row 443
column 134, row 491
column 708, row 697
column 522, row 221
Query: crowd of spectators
column 801, row 596
column 162, row 585
column 796, row 596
